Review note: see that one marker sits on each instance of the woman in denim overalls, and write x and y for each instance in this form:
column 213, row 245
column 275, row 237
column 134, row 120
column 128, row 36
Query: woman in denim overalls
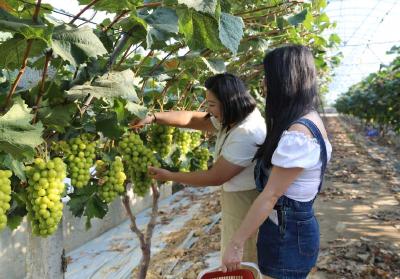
column 289, row 170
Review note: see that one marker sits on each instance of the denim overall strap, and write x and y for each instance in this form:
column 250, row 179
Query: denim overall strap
column 284, row 203
column 317, row 134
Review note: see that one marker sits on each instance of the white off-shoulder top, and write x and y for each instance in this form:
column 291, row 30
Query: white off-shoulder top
column 296, row 149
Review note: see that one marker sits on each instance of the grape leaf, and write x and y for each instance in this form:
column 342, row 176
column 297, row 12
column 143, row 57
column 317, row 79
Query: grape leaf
column 18, row 136
column 110, row 85
column 95, row 208
column 25, row 27
column 231, row 31
column 138, row 110
column 85, row 202
column 108, row 124
column 298, row 18
column 76, row 45
column 12, row 51
column 57, row 117
column 14, row 221
column 215, row 65
column 17, row 211
column 205, row 6
column 161, row 24
column 199, row 29
column 14, row 165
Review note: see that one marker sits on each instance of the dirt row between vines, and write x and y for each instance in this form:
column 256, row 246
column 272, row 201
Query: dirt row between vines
column 358, row 211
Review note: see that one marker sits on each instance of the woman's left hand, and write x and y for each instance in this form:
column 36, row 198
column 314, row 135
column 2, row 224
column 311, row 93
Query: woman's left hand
column 232, row 257
column 159, row 174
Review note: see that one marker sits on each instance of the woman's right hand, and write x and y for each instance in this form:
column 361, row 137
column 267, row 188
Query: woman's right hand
column 139, row 123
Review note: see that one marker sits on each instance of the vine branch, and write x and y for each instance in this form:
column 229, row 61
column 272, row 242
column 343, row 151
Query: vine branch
column 41, row 89
column 25, row 59
column 145, row 261
column 83, row 10
column 115, row 20
column 134, row 228
column 268, row 7
column 158, row 65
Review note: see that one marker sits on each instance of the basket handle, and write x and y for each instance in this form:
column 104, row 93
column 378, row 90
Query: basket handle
column 244, row 264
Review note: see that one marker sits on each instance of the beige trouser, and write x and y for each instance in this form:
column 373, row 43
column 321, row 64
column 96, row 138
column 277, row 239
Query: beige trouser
column 234, row 208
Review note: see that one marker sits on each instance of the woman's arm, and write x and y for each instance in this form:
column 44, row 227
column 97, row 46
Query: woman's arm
column 219, row 173
column 185, row 119
column 278, row 182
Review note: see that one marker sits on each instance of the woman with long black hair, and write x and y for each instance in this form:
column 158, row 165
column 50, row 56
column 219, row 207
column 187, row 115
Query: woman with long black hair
column 289, row 170
column 232, row 115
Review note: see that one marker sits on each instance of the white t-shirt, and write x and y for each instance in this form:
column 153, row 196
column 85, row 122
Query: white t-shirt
column 296, row 149
column 238, row 147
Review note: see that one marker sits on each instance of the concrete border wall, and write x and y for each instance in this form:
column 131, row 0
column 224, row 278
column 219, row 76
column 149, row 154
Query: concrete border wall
column 25, row 256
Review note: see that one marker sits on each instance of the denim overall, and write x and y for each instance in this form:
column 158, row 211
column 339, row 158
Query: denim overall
column 290, row 250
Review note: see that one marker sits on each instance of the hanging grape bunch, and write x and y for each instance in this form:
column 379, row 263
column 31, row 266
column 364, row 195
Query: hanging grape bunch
column 195, row 139
column 161, row 139
column 200, row 159
column 81, row 155
column 176, row 158
column 112, row 179
column 45, row 186
column 137, row 158
column 5, row 196
column 183, row 140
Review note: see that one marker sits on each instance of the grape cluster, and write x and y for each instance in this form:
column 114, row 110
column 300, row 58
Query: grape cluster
column 161, row 139
column 183, row 140
column 176, row 158
column 195, row 139
column 5, row 196
column 80, row 159
column 200, row 159
column 112, row 179
column 137, row 158
column 45, row 186
column 178, row 163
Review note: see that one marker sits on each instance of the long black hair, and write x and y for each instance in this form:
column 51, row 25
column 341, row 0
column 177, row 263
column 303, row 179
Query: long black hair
column 291, row 84
column 236, row 101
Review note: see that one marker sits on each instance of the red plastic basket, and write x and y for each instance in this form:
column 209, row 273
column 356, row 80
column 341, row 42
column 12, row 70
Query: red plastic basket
column 246, row 272
column 237, row 274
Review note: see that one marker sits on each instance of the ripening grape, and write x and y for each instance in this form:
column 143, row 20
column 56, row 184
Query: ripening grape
column 5, row 196
column 184, row 169
column 161, row 139
column 137, row 158
column 195, row 139
column 45, row 186
column 112, row 178
column 80, row 159
column 183, row 140
column 200, row 159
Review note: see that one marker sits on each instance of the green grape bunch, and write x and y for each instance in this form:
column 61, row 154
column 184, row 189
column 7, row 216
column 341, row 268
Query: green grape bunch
column 200, row 158
column 112, row 179
column 182, row 140
column 45, row 187
column 137, row 158
column 80, row 158
column 195, row 139
column 176, row 158
column 161, row 137
column 5, row 196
